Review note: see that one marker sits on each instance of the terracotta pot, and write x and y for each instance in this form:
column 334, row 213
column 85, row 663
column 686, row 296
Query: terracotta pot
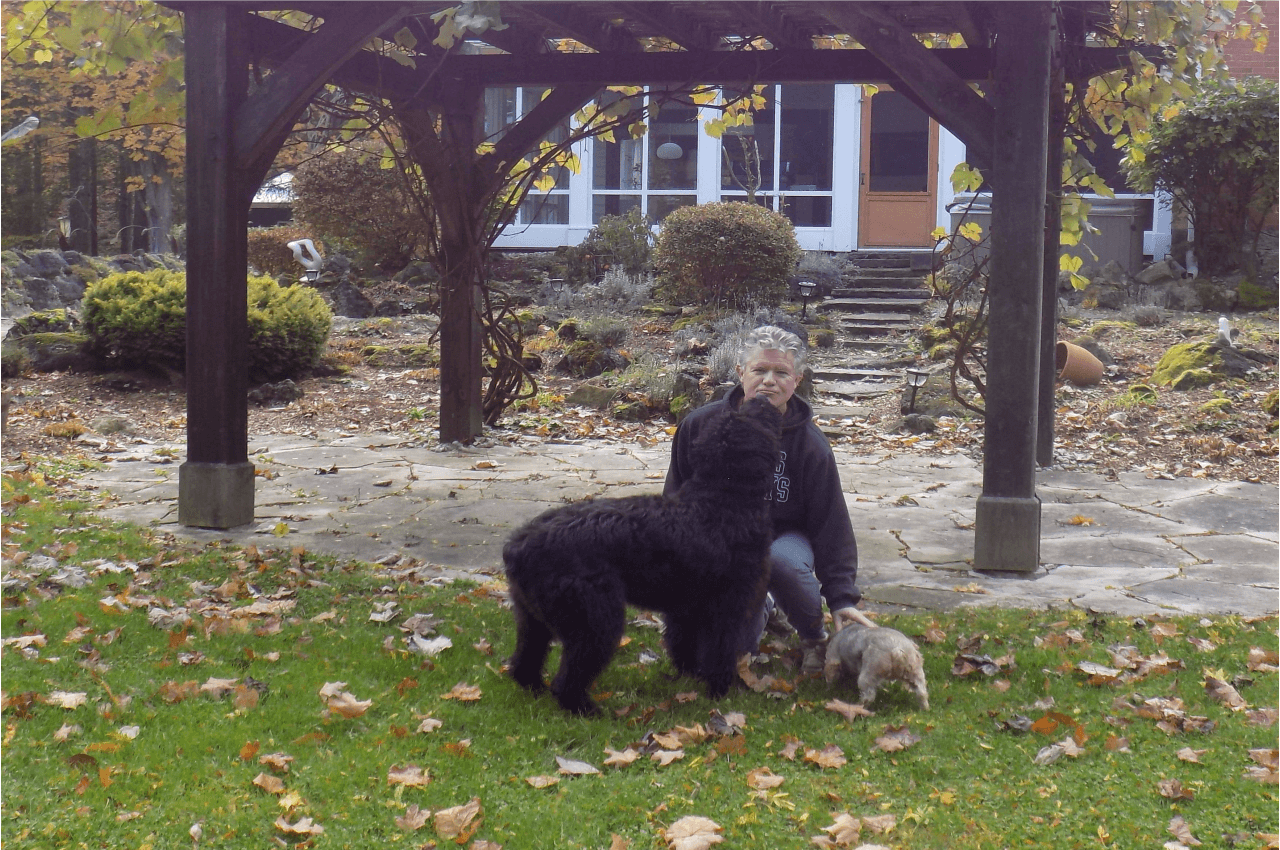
column 1076, row 364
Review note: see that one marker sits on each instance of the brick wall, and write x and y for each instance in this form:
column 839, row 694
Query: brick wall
column 1244, row 61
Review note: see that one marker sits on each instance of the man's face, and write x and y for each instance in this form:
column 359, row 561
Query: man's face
column 770, row 374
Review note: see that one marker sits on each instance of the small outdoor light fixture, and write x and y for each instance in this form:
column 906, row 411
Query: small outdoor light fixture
column 669, row 150
column 557, row 285
column 806, row 292
column 916, row 379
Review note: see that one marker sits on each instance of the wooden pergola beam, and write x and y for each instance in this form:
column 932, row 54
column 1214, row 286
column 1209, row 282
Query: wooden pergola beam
column 939, row 88
column 265, row 120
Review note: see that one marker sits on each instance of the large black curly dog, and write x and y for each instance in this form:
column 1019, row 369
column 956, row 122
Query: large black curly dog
column 700, row 557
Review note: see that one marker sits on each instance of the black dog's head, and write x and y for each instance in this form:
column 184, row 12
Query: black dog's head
column 739, row 452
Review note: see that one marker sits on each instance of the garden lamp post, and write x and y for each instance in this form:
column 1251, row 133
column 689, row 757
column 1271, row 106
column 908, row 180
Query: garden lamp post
column 915, row 379
column 806, row 292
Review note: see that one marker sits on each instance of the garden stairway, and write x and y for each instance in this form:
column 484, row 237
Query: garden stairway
column 878, row 305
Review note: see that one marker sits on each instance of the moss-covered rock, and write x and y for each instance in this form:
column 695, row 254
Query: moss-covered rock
column 631, row 411
column 42, row 321
column 1200, row 357
column 1271, row 404
column 1255, row 297
column 1194, row 379
column 54, row 352
column 1216, row 406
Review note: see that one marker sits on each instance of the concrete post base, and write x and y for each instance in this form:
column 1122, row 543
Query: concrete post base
column 1007, row 534
column 215, row 495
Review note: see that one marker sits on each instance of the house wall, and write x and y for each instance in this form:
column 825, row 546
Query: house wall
column 1244, row 61
column 840, row 236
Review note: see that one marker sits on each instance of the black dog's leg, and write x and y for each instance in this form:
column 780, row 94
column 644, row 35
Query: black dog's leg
column 590, row 636
column 680, row 633
column 718, row 661
column 533, row 640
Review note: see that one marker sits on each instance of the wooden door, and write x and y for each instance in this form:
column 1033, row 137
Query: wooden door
column 898, row 175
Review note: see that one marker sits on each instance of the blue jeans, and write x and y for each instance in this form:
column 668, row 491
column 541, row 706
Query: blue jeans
column 794, row 588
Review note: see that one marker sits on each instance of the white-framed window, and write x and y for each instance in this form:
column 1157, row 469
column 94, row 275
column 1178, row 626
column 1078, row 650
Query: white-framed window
column 657, row 172
column 503, row 107
column 790, row 160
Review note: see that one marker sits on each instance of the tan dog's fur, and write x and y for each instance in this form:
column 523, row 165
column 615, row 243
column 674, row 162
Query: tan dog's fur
column 873, row 656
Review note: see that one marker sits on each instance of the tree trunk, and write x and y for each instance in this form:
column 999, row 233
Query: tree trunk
column 83, row 202
column 158, row 194
column 445, row 151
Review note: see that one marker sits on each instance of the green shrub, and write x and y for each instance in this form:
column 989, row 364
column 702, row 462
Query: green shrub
column 1217, row 157
column 139, row 319
column 288, row 328
column 618, row 241
column 269, row 251
column 726, row 254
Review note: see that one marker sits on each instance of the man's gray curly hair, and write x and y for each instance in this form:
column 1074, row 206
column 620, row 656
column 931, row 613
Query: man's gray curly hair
column 772, row 338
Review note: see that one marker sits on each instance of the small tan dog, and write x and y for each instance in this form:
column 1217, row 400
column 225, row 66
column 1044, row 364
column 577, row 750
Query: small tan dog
column 873, row 656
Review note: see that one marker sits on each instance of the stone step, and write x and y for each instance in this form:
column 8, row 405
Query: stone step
column 882, row 292
column 863, row 274
column 855, row 389
column 872, row 305
column 834, row 373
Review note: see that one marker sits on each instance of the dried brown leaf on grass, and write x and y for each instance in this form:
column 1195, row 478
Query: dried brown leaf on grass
column 304, row 826
column 1180, row 830
column 573, row 767
column 463, row 692
column 849, row 711
column 458, row 822
column 270, row 784
column 829, row 756
column 413, row 819
column 621, row 758
column 1173, row 789
column 692, row 832
column 895, row 738
column 1223, row 692
column 410, row 775
column 764, row 779
column 1263, row 660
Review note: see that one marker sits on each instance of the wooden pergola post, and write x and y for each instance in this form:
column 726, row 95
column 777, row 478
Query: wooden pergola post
column 1052, row 247
column 215, row 484
column 1008, row 513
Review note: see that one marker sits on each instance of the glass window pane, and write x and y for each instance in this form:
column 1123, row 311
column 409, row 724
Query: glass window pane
column 661, row 205
column 539, row 208
column 617, row 165
column 899, row 145
column 673, row 148
column 808, row 115
column 808, row 211
column 748, row 151
column 499, row 111
column 603, row 205
column 529, row 98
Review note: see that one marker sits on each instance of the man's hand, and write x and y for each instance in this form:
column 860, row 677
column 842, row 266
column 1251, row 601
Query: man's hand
column 849, row 616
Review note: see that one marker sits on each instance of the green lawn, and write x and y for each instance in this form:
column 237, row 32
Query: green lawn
column 249, row 696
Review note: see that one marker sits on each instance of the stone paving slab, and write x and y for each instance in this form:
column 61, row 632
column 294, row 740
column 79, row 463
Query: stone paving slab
column 1125, row 545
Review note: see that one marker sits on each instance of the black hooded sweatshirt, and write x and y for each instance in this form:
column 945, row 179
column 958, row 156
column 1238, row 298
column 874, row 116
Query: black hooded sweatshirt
column 807, row 496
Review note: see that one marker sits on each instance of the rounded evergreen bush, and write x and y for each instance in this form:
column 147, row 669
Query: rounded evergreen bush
column 288, row 328
column 726, row 254
column 139, row 319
